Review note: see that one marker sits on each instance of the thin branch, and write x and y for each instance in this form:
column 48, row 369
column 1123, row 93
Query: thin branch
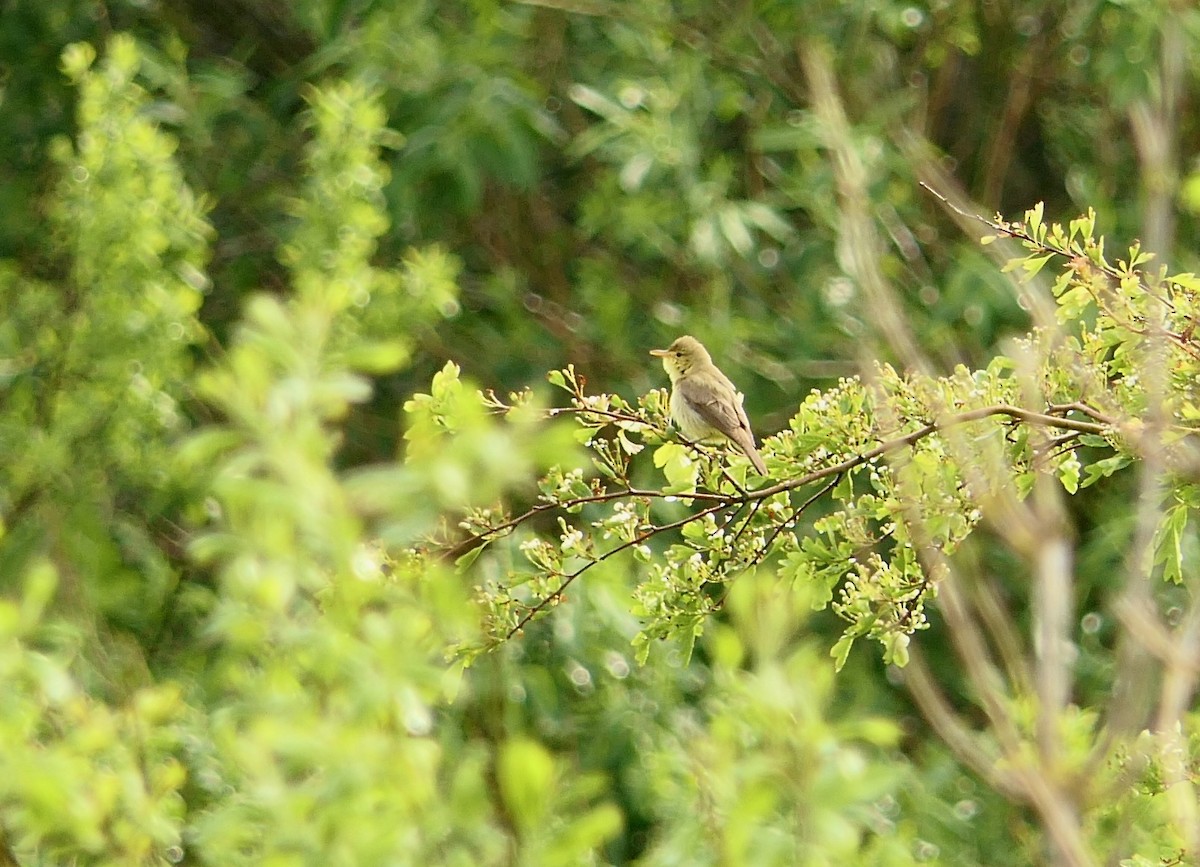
column 860, row 247
column 1014, row 230
column 922, row 686
column 977, row 661
column 1058, row 813
column 1083, row 409
column 835, row 471
column 596, row 8
column 1002, row 632
column 721, row 501
column 838, row 469
column 551, row 598
column 1053, row 598
column 553, row 412
column 746, row 523
column 1141, row 623
column 492, row 533
column 920, row 433
column 796, row 513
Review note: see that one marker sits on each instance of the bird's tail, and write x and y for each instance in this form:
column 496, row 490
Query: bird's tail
column 756, row 459
column 745, row 442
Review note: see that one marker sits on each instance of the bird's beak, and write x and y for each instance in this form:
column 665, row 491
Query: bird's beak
column 660, row 353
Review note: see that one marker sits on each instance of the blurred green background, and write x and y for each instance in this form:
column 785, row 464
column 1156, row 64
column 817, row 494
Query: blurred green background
column 513, row 186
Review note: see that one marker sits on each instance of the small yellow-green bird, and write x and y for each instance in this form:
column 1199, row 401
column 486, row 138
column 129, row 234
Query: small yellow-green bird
column 704, row 403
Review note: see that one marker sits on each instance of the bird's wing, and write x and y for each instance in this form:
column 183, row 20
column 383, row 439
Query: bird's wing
column 722, row 409
column 718, row 406
column 741, row 411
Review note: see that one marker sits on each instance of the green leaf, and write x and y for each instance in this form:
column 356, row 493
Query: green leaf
column 1068, row 473
column 641, row 647
column 1033, row 218
column 1168, row 542
column 1034, row 264
column 1083, row 227
column 689, row 641
column 1189, row 282
column 40, row 583
column 733, row 227
column 1104, row 468
column 841, row 652
column 895, row 649
column 464, row 562
column 77, row 59
column 769, row 221
column 582, row 836
column 677, row 465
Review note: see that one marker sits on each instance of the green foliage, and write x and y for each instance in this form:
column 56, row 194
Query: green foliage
column 96, row 365
column 899, row 469
column 770, row 777
column 83, row 781
column 252, row 251
column 909, row 463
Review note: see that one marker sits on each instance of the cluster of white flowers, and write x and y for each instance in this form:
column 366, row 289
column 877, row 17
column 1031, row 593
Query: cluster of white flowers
column 622, row 522
column 567, row 483
column 571, row 538
column 533, row 548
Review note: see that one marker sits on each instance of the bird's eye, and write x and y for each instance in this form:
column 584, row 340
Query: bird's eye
column 679, row 355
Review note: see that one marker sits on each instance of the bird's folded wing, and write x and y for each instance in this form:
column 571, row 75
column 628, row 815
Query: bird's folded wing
column 722, row 412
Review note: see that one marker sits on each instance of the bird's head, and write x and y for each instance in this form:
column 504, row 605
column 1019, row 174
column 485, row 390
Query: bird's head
column 682, row 356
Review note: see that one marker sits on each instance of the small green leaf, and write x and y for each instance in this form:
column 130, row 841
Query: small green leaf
column 641, row 648
column 689, row 642
column 628, row 446
column 1168, row 542
column 677, row 465
column 464, row 562
column 1185, row 281
column 1034, row 264
column 1068, row 473
column 1083, row 226
column 841, row 652
column 577, row 842
column 1104, row 468
column 77, row 58
column 895, row 649
column 376, row 357
column 40, row 583
column 1033, row 218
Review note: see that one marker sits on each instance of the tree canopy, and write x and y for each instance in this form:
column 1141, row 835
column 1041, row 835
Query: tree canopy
column 342, row 520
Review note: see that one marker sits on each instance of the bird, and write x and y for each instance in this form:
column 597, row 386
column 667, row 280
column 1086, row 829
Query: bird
column 704, row 404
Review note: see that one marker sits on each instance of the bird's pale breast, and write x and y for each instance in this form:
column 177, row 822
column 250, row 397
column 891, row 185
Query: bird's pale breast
column 690, row 423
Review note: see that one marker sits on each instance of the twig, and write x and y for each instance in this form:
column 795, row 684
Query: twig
column 624, row 546
column 720, row 501
column 492, row 533
column 796, row 513
column 950, row 726
column 933, row 427
column 1012, row 230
